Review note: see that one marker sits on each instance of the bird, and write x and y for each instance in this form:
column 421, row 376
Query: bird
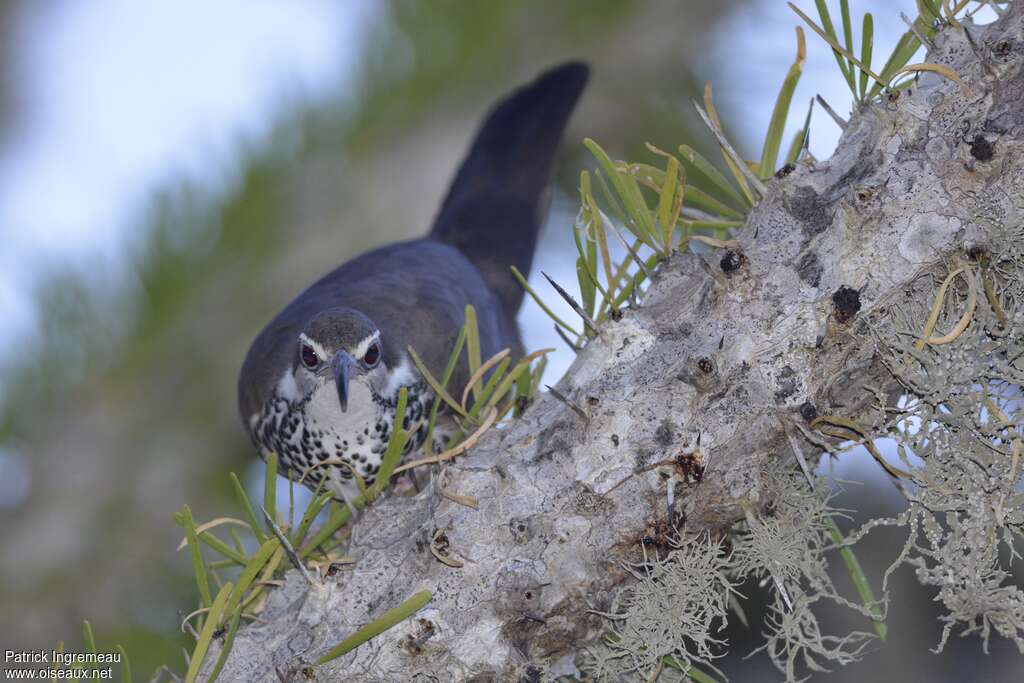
column 319, row 385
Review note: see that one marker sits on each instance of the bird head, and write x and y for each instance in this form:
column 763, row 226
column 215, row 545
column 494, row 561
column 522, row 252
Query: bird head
column 340, row 346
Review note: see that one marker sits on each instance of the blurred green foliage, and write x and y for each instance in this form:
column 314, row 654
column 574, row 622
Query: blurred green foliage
column 125, row 406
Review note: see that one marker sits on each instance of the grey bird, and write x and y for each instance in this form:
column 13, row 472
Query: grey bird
column 320, row 382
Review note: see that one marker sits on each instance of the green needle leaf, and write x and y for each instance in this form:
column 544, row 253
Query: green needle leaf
column 395, row 448
column 844, row 12
column 196, row 554
column 860, row 580
column 245, row 579
column 336, row 519
column 906, row 47
column 449, row 369
column 472, row 343
column 705, row 168
column 488, row 389
column 270, row 486
column 641, row 222
column 667, row 215
column 866, row 43
column 320, row 500
column 533, row 295
column 773, row 140
column 839, row 50
column 588, row 292
column 506, row 383
column 206, row 635
column 126, row 667
column 800, row 139
column 243, row 501
column 598, row 222
column 436, row 386
column 929, row 10
column 379, row 625
column 223, row 548
column 830, row 30
column 229, row 641
column 699, row 199
column 88, row 638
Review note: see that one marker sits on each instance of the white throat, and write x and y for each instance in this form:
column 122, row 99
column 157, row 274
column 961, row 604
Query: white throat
column 325, row 408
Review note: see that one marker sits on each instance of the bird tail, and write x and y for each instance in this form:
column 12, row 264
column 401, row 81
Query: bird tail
column 498, row 201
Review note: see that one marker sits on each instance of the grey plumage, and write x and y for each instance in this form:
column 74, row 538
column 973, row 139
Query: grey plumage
column 415, row 292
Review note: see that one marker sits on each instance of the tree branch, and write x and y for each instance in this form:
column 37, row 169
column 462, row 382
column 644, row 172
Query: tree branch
column 564, row 502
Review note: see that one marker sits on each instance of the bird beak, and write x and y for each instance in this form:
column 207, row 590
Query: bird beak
column 342, row 363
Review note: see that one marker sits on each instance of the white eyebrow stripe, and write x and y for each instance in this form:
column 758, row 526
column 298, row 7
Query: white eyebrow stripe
column 360, row 350
column 315, row 346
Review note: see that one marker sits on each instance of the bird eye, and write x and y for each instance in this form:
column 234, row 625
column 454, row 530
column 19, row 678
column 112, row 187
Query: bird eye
column 309, row 357
column 372, row 355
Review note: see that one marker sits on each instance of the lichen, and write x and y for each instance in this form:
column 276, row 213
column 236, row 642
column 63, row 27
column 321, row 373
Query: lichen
column 789, row 548
column 960, row 417
column 676, row 608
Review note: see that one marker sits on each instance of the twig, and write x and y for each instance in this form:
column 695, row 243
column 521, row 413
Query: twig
column 754, row 181
column 572, row 303
column 632, row 252
column 840, row 121
column 575, row 408
column 568, row 342
column 920, row 36
column 468, row 501
column 456, row 450
column 443, row 557
column 797, row 451
column 288, row 549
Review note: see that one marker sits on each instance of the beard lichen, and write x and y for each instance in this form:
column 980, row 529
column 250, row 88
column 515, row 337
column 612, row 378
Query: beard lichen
column 675, row 608
column 678, row 605
column 960, row 417
column 952, row 347
column 788, row 548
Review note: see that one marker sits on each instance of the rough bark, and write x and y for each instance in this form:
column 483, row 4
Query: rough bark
column 730, row 356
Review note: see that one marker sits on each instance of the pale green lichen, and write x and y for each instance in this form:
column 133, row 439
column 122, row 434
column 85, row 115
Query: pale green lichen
column 791, row 545
column 676, row 608
column 961, row 417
